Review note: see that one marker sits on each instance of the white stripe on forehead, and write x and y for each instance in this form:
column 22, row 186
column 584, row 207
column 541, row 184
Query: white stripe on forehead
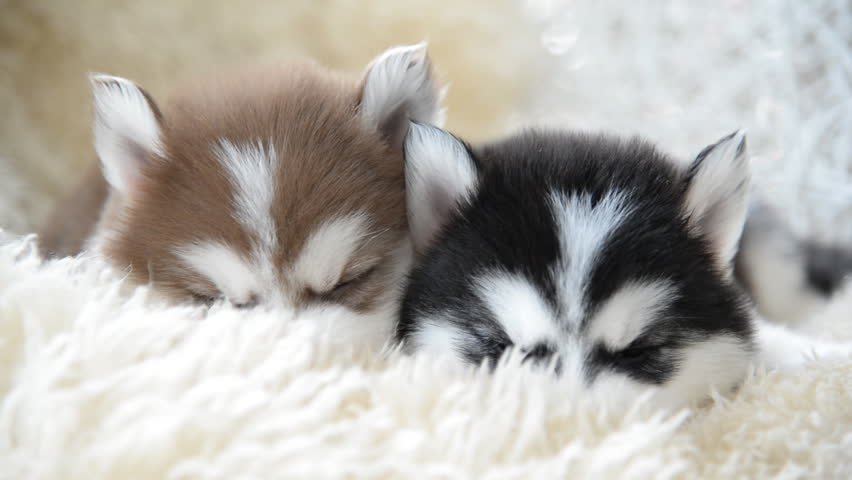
column 328, row 250
column 232, row 274
column 583, row 230
column 252, row 169
column 518, row 307
column 629, row 311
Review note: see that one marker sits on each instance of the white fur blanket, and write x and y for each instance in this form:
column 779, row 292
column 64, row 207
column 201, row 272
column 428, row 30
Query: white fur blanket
column 100, row 383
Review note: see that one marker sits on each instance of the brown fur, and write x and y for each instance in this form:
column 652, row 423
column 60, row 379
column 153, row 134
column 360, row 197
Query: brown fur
column 71, row 223
column 330, row 165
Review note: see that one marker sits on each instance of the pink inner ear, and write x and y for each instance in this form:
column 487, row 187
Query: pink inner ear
column 127, row 176
column 141, row 158
column 718, row 194
column 441, row 202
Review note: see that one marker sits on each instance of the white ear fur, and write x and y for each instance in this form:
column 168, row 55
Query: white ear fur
column 126, row 128
column 400, row 86
column 439, row 173
column 718, row 194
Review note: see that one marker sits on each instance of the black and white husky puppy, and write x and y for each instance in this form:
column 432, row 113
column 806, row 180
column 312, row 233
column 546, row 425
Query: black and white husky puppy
column 788, row 277
column 602, row 257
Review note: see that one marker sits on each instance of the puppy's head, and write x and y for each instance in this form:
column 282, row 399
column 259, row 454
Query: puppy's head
column 270, row 186
column 601, row 257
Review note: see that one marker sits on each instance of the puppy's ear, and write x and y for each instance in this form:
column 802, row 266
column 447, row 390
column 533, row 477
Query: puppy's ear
column 399, row 87
column 439, row 174
column 719, row 183
column 127, row 129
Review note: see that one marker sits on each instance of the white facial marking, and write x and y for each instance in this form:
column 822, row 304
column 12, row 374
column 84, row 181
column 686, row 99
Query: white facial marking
column 519, row 308
column 583, row 230
column 252, row 170
column 629, row 311
column 573, row 353
column 328, row 250
column 235, row 277
column 719, row 362
column 125, row 128
column 438, row 336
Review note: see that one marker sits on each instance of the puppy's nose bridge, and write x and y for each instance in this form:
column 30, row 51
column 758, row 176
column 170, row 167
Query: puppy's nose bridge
column 570, row 320
column 276, row 298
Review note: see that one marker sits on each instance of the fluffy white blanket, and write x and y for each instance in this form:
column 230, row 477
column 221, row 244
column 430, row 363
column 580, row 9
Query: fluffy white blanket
column 101, row 381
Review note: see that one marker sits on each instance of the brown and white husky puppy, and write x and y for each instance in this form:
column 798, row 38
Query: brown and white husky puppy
column 280, row 185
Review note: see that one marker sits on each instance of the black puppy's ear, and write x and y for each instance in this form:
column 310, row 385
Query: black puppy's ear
column 439, row 173
column 718, row 194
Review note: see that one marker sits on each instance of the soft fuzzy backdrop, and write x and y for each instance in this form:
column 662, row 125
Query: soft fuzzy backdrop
column 97, row 386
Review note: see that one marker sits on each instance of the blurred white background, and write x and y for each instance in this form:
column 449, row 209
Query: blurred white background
column 684, row 73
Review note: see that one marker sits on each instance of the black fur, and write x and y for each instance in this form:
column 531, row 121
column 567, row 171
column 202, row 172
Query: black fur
column 827, row 267
column 508, row 225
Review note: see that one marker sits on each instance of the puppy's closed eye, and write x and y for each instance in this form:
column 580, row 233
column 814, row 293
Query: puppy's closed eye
column 637, row 354
column 346, row 283
column 203, row 293
column 208, row 299
column 203, row 299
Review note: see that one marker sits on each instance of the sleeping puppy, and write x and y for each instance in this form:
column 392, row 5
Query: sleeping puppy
column 789, row 278
column 600, row 257
column 279, row 185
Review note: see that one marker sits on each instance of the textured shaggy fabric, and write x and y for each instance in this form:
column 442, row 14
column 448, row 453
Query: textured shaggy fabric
column 100, row 381
column 96, row 384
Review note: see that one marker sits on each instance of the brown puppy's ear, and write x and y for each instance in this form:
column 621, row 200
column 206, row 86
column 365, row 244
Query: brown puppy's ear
column 439, row 174
column 127, row 129
column 399, row 87
column 719, row 183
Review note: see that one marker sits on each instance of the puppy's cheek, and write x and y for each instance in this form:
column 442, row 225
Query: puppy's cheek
column 346, row 327
column 381, row 294
column 437, row 337
column 367, row 319
column 718, row 363
column 384, row 292
column 396, row 279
